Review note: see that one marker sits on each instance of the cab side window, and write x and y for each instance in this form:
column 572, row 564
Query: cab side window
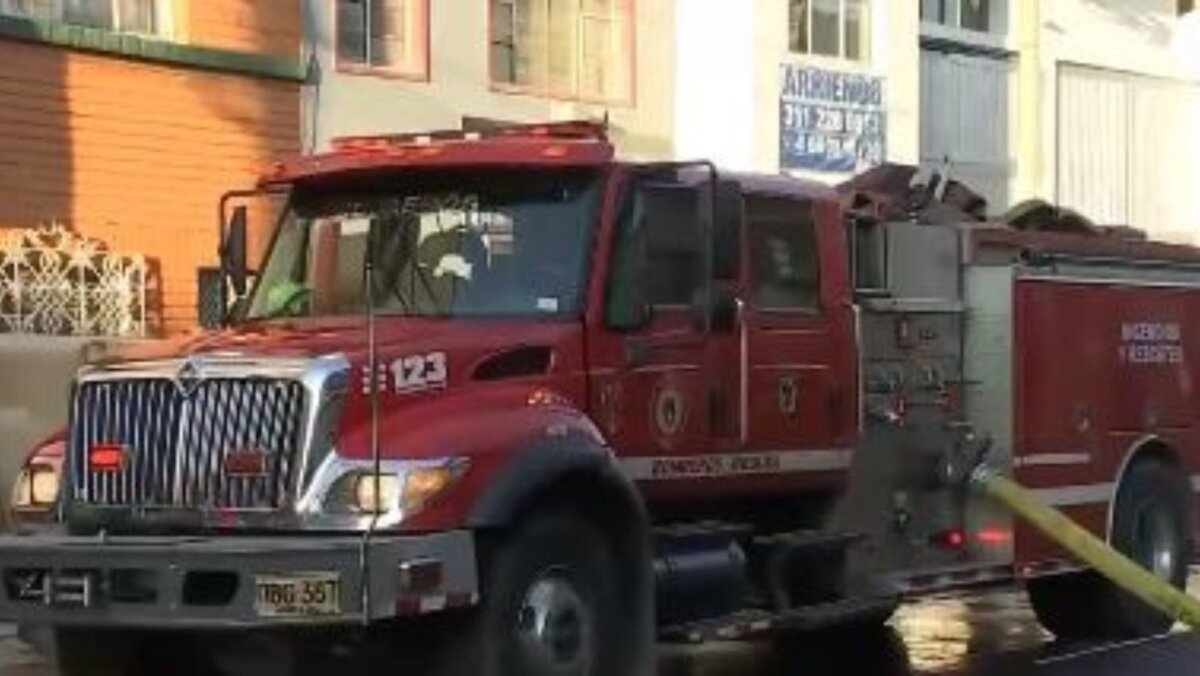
column 657, row 250
column 783, row 254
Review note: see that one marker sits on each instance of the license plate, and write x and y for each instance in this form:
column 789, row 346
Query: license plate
column 298, row 595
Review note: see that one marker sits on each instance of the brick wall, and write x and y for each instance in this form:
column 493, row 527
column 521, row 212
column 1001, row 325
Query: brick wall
column 137, row 153
column 268, row 26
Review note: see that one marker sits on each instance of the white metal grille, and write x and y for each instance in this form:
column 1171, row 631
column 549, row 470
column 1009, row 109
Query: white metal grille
column 53, row 281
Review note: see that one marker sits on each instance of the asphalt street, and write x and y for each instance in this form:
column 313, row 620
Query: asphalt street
column 980, row 633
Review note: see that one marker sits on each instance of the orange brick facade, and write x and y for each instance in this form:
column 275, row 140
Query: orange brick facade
column 137, row 153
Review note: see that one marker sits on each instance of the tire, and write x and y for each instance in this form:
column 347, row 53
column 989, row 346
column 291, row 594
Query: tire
column 548, row 608
column 1152, row 525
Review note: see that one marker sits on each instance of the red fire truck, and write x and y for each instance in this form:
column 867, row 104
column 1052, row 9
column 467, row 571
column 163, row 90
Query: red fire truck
column 520, row 408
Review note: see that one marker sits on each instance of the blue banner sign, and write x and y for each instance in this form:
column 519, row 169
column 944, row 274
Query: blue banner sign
column 831, row 122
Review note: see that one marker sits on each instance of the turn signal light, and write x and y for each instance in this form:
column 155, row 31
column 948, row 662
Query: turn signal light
column 106, row 458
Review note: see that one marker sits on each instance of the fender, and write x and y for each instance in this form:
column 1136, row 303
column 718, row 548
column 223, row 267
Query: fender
column 540, row 465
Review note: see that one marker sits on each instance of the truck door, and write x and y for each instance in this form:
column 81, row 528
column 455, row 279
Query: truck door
column 665, row 387
column 800, row 338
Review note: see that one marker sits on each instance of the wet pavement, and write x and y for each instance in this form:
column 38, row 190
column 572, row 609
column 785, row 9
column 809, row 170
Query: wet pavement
column 979, row 633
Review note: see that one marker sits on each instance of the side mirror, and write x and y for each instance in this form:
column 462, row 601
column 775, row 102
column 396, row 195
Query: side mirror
column 233, row 251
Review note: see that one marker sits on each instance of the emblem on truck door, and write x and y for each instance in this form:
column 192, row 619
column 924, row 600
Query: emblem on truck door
column 670, row 411
column 789, row 395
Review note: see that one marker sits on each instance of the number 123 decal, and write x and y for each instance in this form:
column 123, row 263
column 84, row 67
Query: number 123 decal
column 412, row 373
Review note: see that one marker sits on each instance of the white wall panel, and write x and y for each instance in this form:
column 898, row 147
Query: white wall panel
column 1129, row 150
column 966, row 120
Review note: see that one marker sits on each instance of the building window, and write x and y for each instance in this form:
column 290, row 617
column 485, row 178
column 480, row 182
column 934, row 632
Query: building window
column 146, row 17
column 836, row 28
column 984, row 16
column 388, row 36
column 581, row 49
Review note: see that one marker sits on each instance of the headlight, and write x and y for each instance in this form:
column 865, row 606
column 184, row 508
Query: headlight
column 376, row 495
column 349, row 488
column 39, row 481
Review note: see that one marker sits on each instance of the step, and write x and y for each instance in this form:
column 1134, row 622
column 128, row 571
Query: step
column 746, row 624
column 808, row 539
column 701, row 530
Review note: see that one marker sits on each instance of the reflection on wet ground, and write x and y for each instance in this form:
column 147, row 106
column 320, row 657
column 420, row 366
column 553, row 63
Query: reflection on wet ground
column 962, row 634
column 989, row 632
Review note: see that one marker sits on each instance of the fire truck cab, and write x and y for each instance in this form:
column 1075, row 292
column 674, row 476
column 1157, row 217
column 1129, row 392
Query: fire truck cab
column 523, row 408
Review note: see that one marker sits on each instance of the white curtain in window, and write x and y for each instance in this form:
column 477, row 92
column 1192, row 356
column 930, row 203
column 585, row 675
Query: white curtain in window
column 857, row 40
column 826, row 38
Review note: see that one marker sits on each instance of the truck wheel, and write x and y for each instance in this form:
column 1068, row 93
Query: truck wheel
column 548, row 606
column 1152, row 526
column 96, row 652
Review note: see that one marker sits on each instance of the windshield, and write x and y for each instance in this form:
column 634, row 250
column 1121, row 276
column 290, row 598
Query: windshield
column 488, row 243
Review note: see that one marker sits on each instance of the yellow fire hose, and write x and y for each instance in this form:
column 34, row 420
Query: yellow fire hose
column 1088, row 548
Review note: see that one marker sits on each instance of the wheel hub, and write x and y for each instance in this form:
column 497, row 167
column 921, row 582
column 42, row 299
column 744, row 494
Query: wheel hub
column 555, row 627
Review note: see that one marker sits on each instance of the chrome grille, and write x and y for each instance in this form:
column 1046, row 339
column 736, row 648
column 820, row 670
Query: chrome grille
column 176, row 444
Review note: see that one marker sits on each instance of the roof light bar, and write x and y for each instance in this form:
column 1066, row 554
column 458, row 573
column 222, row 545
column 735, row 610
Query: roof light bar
column 579, row 130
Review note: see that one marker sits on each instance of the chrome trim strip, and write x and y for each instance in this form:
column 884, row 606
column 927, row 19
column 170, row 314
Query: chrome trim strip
column 1052, row 459
column 1076, row 495
column 214, row 365
column 745, row 463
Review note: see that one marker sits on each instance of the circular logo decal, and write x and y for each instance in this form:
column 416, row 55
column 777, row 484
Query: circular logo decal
column 670, row 411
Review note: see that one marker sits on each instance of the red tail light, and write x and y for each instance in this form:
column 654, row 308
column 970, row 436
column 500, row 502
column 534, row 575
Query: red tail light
column 106, row 458
column 951, row 538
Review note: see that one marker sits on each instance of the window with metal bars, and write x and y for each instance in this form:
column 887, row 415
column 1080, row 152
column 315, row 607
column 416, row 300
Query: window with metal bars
column 144, row 17
column 840, row 29
column 386, row 36
column 579, row 49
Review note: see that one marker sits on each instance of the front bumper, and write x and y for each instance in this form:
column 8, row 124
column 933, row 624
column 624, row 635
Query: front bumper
column 210, row 582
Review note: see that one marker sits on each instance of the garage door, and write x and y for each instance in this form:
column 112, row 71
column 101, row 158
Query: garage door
column 1129, row 150
column 966, row 113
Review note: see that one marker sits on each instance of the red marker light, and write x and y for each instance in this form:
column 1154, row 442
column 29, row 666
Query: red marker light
column 107, row 458
column 247, row 463
column 994, row 536
column 953, row 538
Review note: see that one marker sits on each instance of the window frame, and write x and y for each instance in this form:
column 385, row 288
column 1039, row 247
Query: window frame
column 803, row 209
column 164, row 18
column 421, row 74
column 546, row 90
column 951, row 18
column 867, row 45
